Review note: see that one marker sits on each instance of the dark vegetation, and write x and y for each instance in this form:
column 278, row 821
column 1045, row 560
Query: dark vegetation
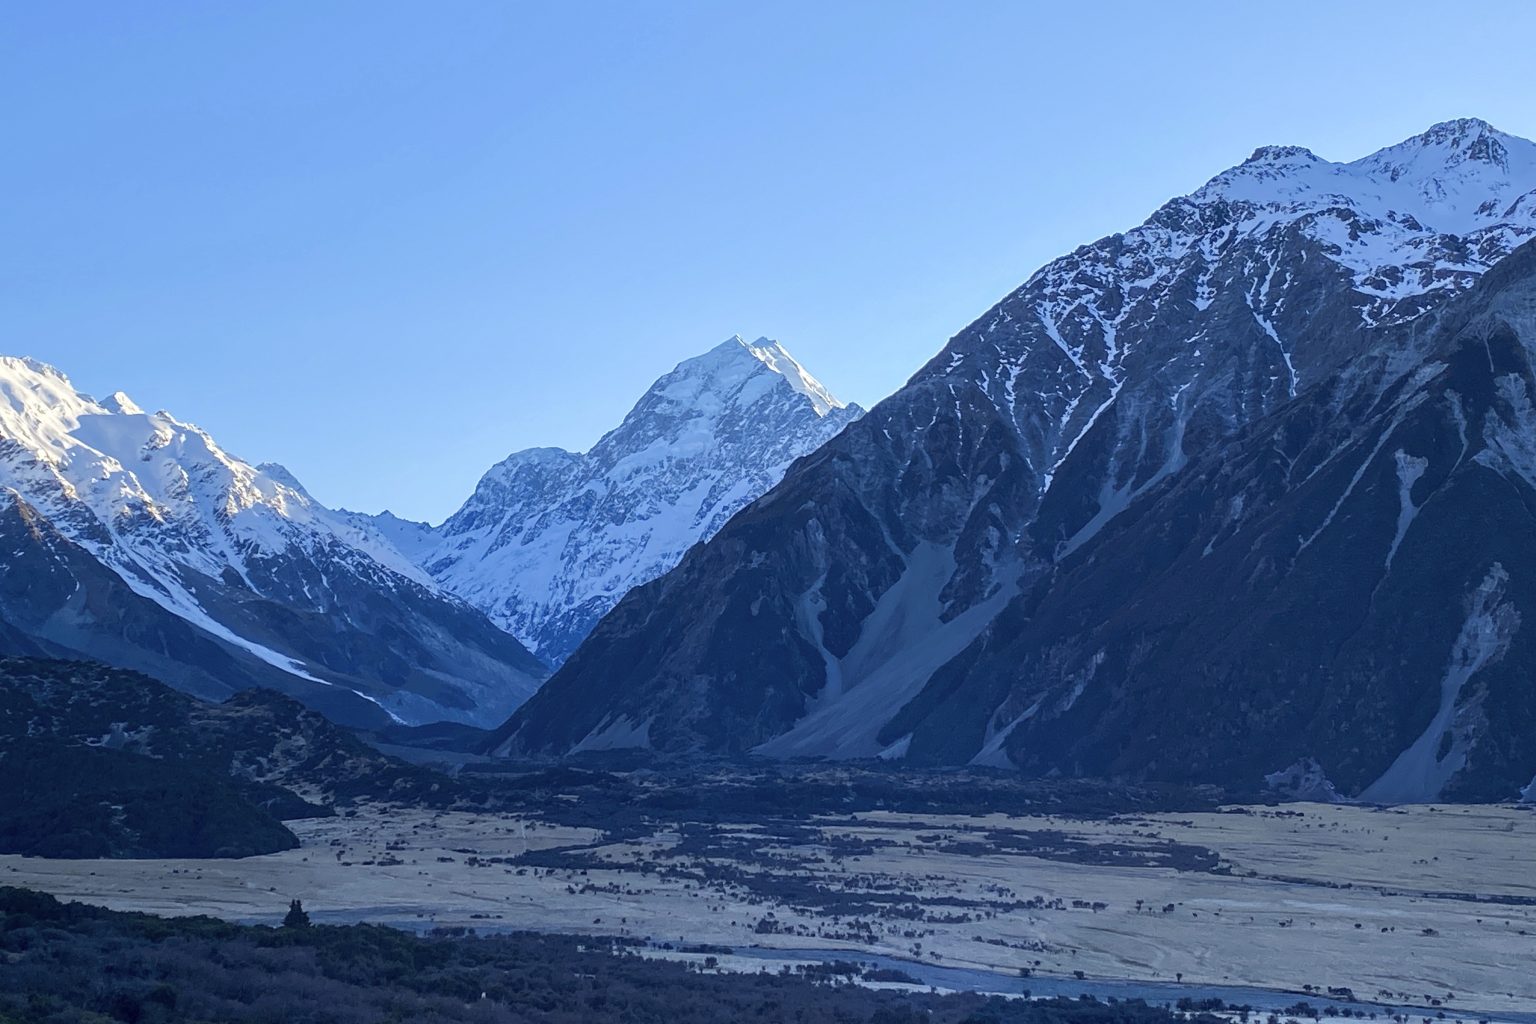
column 69, row 801
column 70, row 962
column 104, row 762
column 266, row 742
column 777, row 864
column 632, row 789
column 1051, row 844
column 111, row 763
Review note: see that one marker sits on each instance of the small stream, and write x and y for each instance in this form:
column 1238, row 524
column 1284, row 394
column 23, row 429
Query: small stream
column 973, row 979
column 969, row 979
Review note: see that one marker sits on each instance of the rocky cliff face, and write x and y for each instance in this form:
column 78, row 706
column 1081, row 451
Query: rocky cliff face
column 835, row 615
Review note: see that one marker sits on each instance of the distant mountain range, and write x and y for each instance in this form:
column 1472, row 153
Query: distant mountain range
column 1243, row 495
column 551, row 540
column 138, row 541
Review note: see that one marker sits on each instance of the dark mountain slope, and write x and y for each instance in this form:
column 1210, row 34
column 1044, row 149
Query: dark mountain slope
column 831, row 603
column 1342, row 594
column 88, row 802
column 57, row 600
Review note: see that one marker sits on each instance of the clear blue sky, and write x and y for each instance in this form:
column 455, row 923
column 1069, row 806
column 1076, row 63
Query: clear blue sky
column 388, row 243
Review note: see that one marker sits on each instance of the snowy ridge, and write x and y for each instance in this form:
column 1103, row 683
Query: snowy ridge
column 188, row 525
column 551, row 539
column 777, row 358
column 145, row 476
column 1407, row 224
column 1432, row 212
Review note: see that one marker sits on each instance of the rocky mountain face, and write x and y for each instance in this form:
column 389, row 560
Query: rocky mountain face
column 1098, row 515
column 133, row 538
column 550, row 540
column 1332, row 604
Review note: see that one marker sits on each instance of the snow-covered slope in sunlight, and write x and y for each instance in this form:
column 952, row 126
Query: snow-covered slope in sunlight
column 225, row 545
column 550, row 540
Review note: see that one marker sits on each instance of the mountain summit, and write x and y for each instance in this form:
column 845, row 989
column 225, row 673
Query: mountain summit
column 889, row 596
column 135, row 539
column 551, row 540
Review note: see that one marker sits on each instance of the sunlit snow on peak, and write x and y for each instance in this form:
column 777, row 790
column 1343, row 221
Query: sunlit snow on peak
column 550, row 540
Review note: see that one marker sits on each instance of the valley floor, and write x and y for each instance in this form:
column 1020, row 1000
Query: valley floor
column 1422, row 906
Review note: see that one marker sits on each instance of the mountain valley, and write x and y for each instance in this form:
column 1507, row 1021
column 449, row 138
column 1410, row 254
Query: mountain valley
column 1034, row 555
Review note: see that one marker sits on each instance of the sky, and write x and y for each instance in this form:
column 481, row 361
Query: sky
column 388, row 243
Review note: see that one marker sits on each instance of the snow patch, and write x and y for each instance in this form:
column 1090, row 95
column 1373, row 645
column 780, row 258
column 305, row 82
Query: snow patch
column 1510, row 447
column 1409, row 469
column 1381, row 442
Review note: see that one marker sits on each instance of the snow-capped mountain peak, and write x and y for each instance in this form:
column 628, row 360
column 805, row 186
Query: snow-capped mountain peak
column 1280, row 156
column 132, row 468
column 209, row 537
column 777, row 358
column 1455, row 178
column 551, row 539
column 1463, row 140
column 283, row 476
column 735, row 372
column 1405, row 226
column 119, row 402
